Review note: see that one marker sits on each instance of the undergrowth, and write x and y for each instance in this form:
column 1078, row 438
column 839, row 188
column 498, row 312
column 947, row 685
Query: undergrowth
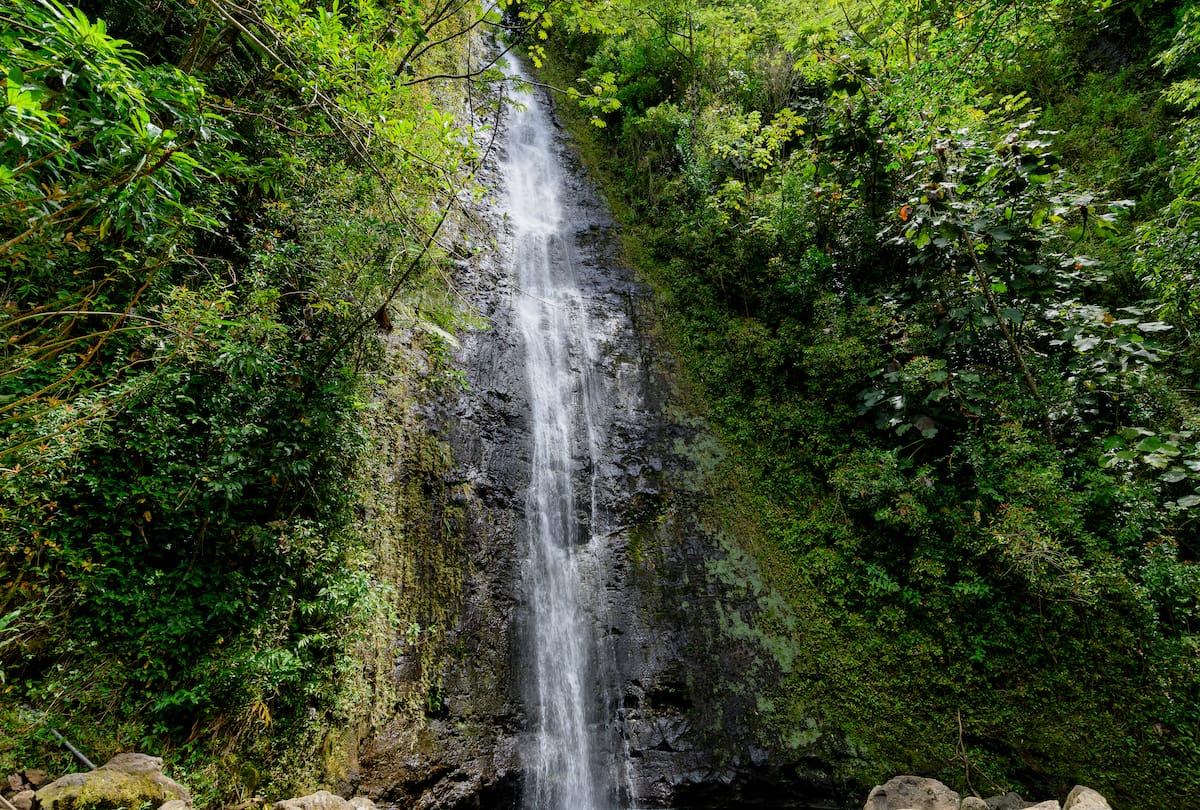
column 961, row 424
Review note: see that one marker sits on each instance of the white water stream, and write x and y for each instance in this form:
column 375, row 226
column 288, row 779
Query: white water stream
column 569, row 763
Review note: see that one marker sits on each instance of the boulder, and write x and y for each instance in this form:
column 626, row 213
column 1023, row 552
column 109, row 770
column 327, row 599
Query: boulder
column 912, row 793
column 134, row 764
column 321, row 800
column 16, row 782
column 23, row 800
column 126, row 780
column 1048, row 805
column 362, row 803
column 1009, row 801
column 973, row 803
column 35, row 777
column 1084, row 798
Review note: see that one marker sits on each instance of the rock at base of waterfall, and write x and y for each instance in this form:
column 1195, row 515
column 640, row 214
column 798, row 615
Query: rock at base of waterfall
column 126, row 780
column 912, row 793
column 1084, row 798
column 324, row 800
column 915, row 793
column 321, row 800
column 1009, row 801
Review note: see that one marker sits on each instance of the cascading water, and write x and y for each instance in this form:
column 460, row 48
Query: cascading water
column 586, row 665
column 570, row 761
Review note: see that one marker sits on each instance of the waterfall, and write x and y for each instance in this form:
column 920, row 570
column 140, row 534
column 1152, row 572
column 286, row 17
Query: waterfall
column 570, row 760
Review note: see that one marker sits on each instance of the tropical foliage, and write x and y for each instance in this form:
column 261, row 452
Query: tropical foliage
column 205, row 226
column 931, row 265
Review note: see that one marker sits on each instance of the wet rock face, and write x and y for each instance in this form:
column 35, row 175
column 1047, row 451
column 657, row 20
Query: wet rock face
column 681, row 737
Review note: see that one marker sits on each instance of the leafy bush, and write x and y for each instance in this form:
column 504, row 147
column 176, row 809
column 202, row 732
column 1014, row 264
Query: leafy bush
column 965, row 403
column 194, row 286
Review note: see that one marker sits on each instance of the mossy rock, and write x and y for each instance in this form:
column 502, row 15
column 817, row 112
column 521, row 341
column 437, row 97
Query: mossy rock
column 126, row 782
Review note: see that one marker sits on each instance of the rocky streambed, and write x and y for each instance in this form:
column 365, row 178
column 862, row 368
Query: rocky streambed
column 134, row 780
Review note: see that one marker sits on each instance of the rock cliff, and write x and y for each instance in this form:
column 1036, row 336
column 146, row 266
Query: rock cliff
column 682, row 688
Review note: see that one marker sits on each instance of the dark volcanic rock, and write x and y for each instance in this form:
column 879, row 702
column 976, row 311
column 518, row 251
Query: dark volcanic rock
column 683, row 686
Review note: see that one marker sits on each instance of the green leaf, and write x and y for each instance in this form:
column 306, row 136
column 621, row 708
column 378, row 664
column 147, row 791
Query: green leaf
column 8, row 619
column 1158, row 461
column 1131, row 433
column 1151, row 444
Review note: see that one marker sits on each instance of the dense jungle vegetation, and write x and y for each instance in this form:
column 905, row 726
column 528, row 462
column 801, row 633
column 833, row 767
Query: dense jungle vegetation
column 930, row 266
column 209, row 213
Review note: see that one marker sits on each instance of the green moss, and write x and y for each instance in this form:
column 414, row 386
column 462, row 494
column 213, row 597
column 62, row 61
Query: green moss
column 108, row 790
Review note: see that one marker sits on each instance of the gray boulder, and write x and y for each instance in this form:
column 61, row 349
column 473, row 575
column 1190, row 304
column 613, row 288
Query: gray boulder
column 23, row 800
column 1009, row 801
column 912, row 793
column 321, row 800
column 362, row 803
column 126, row 780
column 973, row 803
column 1048, row 805
column 1084, row 798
